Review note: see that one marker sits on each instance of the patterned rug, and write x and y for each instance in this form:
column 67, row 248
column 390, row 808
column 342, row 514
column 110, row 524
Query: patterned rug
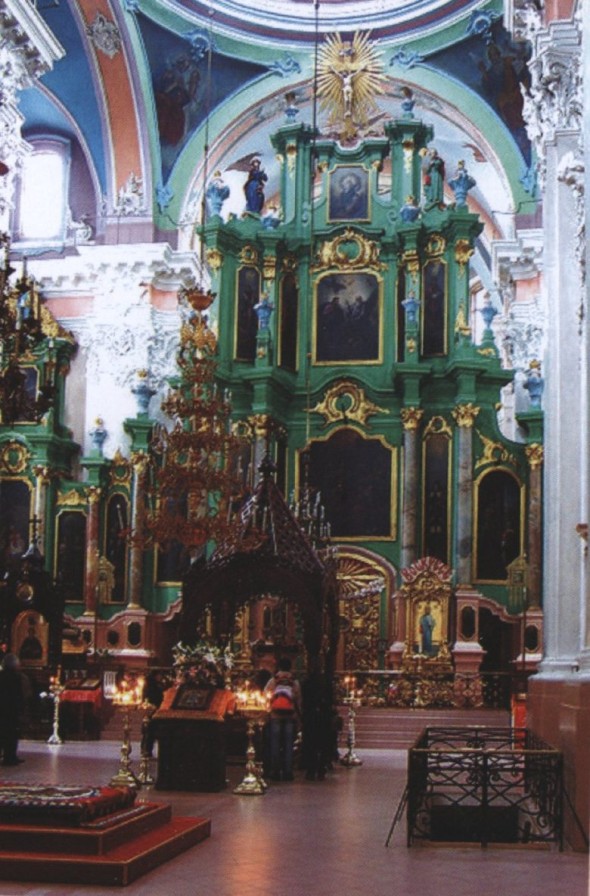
column 63, row 804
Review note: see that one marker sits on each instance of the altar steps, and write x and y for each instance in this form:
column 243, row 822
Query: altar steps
column 111, row 852
column 397, row 729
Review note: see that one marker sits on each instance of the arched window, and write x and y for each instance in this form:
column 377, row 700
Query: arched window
column 44, row 185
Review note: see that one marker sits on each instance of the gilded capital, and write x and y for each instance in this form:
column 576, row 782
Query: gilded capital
column 93, row 493
column 411, row 261
column 534, row 454
column 411, row 418
column 214, row 259
column 42, row 473
column 463, row 252
column 269, row 267
column 465, row 414
column 262, row 425
column 291, row 151
column 139, row 462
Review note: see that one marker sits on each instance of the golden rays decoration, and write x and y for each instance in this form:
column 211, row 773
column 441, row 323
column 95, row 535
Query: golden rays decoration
column 350, row 77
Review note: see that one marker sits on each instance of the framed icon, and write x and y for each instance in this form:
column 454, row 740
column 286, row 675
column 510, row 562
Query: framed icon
column 348, row 194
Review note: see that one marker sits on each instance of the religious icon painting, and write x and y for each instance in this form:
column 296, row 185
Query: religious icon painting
column 356, row 477
column 348, row 195
column 70, row 560
column 434, row 336
column 248, row 294
column 347, row 318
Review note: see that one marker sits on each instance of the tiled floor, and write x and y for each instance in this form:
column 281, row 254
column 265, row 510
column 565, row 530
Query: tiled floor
column 307, row 839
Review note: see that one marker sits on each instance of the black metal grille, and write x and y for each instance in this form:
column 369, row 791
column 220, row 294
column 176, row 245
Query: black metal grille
column 487, row 785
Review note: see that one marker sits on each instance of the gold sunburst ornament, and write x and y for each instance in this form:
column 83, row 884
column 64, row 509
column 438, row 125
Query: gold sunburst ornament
column 350, row 77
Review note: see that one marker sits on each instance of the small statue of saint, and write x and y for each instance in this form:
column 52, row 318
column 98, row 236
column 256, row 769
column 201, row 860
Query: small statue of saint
column 254, row 187
column 263, row 310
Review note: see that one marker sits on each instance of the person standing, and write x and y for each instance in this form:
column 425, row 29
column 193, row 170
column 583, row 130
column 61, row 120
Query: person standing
column 316, row 726
column 12, row 704
column 285, row 713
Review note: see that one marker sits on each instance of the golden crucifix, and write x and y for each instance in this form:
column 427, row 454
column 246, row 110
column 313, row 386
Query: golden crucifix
column 350, row 77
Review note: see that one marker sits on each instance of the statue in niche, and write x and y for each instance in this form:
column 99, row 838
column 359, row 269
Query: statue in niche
column 254, row 187
column 433, row 178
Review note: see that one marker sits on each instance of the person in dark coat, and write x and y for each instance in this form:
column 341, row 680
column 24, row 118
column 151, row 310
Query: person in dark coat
column 316, row 725
column 12, row 705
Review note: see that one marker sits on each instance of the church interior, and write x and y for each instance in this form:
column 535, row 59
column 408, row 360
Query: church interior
column 294, row 364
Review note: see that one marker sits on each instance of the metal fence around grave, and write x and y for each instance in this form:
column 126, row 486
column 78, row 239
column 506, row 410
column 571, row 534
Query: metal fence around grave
column 486, row 785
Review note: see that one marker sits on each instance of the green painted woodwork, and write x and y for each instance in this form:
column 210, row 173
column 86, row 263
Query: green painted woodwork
column 313, row 243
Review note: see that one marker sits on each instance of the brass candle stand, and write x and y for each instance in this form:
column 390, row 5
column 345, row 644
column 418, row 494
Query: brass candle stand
column 56, row 689
column 128, row 695
column 352, row 700
column 254, row 706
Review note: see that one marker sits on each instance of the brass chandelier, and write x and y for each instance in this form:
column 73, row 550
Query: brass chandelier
column 21, row 334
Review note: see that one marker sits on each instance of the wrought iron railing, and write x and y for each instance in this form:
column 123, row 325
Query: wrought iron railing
column 486, row 785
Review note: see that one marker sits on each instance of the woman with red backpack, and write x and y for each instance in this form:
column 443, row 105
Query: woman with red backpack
column 285, row 715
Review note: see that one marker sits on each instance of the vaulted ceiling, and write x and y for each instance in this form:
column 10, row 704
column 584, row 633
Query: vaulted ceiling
column 139, row 93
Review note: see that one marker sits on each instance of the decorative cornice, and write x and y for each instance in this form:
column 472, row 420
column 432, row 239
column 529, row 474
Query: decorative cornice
column 25, row 33
column 554, row 100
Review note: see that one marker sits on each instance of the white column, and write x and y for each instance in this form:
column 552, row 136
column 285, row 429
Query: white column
column 553, row 113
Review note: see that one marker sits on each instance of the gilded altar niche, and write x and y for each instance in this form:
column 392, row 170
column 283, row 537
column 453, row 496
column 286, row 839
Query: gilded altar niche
column 361, row 581
column 424, row 605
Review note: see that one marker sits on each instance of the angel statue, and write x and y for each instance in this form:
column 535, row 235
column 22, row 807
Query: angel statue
column 350, row 77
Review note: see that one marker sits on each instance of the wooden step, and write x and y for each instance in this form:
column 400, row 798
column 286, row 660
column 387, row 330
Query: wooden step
column 118, row 867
